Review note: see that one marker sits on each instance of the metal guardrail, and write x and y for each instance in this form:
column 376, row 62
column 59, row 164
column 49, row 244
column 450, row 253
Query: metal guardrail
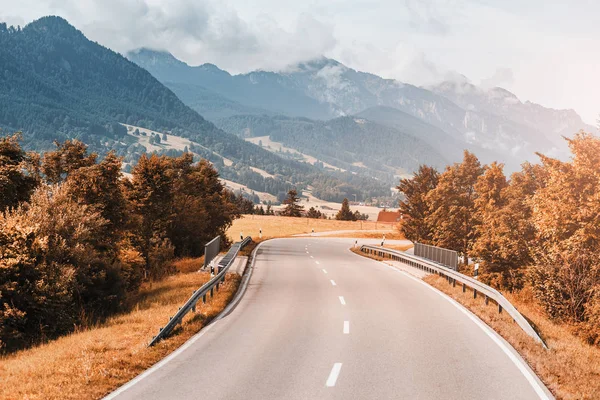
column 209, row 286
column 211, row 250
column 453, row 277
column 446, row 257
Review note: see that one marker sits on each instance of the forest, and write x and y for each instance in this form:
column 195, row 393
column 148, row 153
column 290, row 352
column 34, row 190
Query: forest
column 537, row 230
column 341, row 141
column 55, row 84
column 77, row 239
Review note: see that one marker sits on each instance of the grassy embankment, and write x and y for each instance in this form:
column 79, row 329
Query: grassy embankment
column 91, row 362
column 570, row 368
column 276, row 226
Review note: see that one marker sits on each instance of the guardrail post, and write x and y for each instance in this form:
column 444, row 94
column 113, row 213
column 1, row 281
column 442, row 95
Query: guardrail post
column 211, row 293
column 464, row 288
column 474, row 293
column 204, row 298
column 453, row 282
column 499, row 309
column 487, row 300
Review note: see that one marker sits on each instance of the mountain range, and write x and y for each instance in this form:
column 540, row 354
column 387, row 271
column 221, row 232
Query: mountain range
column 55, row 84
column 493, row 123
column 345, row 132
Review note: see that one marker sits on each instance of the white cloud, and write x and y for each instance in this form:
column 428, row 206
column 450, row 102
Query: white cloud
column 550, row 47
column 503, row 77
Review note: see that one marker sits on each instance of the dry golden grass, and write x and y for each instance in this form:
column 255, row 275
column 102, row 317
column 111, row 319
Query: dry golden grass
column 276, row 226
column 570, row 368
column 91, row 363
column 399, row 247
column 188, row 264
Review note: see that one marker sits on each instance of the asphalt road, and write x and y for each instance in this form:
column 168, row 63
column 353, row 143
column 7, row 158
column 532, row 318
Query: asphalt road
column 319, row 322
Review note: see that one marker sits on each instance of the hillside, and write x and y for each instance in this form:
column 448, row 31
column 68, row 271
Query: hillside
column 325, row 89
column 56, row 85
column 267, row 90
column 343, row 142
column 451, row 147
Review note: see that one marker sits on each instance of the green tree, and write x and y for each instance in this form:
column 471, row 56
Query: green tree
column 415, row 207
column 292, row 206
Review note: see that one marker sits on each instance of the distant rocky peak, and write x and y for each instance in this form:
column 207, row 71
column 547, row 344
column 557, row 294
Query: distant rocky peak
column 153, row 57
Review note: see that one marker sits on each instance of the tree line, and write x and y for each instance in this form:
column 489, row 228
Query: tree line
column 77, row 239
column 540, row 228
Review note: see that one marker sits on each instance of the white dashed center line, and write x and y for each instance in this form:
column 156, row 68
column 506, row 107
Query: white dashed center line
column 316, row 262
column 333, row 375
column 342, row 300
column 324, row 271
column 346, row 327
column 312, row 257
column 333, row 283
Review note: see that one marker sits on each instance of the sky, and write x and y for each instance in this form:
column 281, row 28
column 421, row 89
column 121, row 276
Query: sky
column 544, row 51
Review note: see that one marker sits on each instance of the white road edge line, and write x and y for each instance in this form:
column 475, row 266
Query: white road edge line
column 333, row 375
column 533, row 381
column 342, row 300
column 333, row 283
column 174, row 354
column 346, row 327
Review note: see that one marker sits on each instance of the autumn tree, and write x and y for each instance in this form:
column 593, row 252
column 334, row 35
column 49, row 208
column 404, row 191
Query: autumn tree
column 99, row 186
column 415, row 207
column 566, row 215
column 17, row 178
column 55, row 267
column 452, row 206
column 506, row 233
column 201, row 206
column 69, row 156
column 345, row 214
column 292, row 206
column 150, row 194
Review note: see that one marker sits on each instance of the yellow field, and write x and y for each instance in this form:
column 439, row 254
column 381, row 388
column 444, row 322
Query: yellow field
column 276, row 226
column 91, row 363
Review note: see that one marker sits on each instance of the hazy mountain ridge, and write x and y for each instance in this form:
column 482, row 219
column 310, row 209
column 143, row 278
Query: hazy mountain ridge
column 494, row 120
column 344, row 142
column 55, row 84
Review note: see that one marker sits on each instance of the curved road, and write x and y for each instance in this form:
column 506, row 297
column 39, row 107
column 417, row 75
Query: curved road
column 319, row 322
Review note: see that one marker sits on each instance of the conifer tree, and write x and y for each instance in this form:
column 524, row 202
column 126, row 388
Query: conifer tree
column 345, row 214
column 292, row 208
